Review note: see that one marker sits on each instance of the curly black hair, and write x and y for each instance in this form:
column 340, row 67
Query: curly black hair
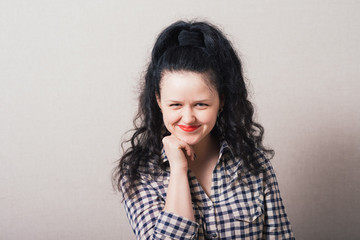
column 208, row 52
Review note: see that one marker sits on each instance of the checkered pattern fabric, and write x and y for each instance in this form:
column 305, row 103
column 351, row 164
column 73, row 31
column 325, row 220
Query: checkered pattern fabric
column 241, row 205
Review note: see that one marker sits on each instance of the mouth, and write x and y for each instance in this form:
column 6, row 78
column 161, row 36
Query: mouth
column 187, row 128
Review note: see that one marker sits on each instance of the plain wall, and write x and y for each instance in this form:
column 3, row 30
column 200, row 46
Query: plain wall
column 69, row 72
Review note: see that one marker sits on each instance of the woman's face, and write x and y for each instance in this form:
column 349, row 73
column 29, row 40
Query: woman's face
column 189, row 104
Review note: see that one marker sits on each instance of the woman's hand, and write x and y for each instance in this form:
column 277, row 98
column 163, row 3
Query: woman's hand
column 177, row 152
column 178, row 196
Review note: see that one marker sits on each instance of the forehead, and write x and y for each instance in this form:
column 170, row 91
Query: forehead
column 186, row 80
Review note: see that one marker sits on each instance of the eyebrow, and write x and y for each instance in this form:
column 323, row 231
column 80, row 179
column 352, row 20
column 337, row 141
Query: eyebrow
column 199, row 100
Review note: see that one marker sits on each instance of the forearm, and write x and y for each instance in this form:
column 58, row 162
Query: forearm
column 149, row 220
column 178, row 196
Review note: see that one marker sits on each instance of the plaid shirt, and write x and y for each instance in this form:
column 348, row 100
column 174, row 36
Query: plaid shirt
column 241, row 206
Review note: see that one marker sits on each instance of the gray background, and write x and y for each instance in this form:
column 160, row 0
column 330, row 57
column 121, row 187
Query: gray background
column 68, row 92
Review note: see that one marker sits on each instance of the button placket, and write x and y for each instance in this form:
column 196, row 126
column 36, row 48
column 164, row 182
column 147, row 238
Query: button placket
column 212, row 228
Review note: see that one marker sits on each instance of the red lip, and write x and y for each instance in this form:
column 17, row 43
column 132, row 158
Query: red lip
column 188, row 128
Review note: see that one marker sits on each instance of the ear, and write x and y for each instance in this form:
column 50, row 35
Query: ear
column 158, row 100
column 222, row 101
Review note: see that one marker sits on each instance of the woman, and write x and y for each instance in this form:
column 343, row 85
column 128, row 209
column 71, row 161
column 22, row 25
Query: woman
column 196, row 167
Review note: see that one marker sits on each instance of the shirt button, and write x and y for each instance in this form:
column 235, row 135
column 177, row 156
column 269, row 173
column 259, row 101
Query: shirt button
column 213, row 235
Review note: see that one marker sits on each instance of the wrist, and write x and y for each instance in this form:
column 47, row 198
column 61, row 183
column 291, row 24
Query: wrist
column 179, row 171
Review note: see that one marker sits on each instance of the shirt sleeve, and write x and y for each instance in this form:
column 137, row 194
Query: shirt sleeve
column 149, row 221
column 276, row 222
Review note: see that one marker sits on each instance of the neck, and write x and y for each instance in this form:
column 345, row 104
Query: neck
column 206, row 149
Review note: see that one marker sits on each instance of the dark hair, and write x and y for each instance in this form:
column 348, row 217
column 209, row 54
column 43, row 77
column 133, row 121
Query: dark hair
column 199, row 47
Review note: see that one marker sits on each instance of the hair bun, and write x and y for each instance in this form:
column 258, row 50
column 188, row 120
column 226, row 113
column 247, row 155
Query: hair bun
column 189, row 38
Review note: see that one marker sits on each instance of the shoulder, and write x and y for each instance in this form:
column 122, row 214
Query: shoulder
column 152, row 179
column 267, row 172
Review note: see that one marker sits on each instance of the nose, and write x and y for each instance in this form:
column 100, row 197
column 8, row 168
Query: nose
column 188, row 115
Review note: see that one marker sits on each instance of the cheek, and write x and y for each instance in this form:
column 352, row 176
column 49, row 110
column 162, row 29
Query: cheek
column 208, row 117
column 170, row 117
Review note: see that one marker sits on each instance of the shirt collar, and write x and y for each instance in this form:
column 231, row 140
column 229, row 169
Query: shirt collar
column 223, row 147
column 227, row 160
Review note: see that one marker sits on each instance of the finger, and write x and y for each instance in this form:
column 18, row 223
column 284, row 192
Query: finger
column 189, row 152
column 186, row 149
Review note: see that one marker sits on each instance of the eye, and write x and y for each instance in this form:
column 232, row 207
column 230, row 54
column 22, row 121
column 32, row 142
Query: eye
column 202, row 105
column 175, row 105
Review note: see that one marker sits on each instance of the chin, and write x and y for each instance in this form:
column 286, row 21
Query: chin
column 191, row 140
column 192, row 143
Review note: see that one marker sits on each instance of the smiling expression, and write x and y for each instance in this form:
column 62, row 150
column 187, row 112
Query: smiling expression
column 189, row 104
